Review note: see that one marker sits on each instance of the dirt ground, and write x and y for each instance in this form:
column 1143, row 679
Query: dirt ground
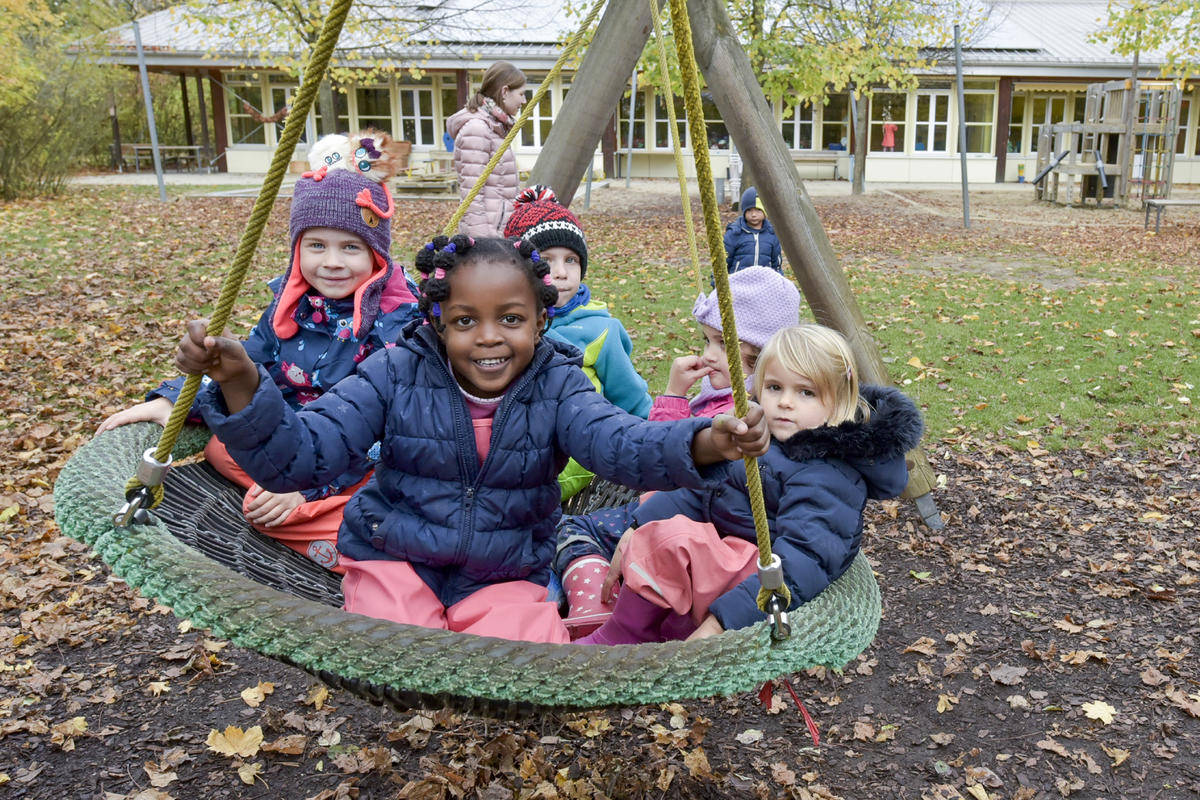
column 1040, row 646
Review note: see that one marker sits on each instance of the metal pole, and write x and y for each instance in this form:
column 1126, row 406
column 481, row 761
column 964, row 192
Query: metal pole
column 629, row 140
column 141, row 57
column 587, row 189
column 962, row 129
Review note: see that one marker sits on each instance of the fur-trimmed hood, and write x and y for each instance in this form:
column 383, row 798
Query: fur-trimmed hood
column 894, row 428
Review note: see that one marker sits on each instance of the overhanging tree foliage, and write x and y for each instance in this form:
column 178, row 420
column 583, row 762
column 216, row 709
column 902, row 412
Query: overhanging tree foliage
column 278, row 34
column 1170, row 27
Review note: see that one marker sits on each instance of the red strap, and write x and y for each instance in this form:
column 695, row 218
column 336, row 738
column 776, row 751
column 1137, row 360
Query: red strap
column 365, row 200
column 764, row 697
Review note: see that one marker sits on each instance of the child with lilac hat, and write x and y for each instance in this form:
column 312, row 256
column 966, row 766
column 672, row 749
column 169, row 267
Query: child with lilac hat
column 340, row 300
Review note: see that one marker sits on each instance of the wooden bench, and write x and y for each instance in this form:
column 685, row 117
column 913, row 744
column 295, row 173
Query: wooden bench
column 1159, row 204
column 820, row 158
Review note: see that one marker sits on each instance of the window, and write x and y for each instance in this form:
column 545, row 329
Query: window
column 243, row 100
column 978, row 110
column 888, row 112
column 1047, row 110
column 282, row 96
column 835, row 123
column 932, row 122
column 798, row 127
column 374, row 106
column 1185, row 107
column 1016, row 123
column 416, row 116
column 341, row 111
column 718, row 136
column 662, row 122
column 639, row 123
column 540, row 118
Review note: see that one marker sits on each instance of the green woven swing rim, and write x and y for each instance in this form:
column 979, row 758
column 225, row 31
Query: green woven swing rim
column 436, row 667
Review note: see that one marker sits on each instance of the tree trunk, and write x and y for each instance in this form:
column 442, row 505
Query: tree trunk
column 595, row 91
column 861, row 143
column 735, row 89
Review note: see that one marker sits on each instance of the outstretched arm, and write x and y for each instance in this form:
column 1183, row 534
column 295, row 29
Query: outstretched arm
column 731, row 438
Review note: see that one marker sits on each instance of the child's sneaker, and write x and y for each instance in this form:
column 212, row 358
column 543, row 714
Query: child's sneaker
column 581, row 583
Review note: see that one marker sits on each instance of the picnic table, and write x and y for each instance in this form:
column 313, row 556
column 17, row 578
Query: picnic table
column 180, row 156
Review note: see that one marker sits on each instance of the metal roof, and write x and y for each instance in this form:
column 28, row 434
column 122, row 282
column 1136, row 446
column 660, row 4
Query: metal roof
column 1020, row 38
column 452, row 34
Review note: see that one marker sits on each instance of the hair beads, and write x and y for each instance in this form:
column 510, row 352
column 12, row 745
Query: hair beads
column 438, row 259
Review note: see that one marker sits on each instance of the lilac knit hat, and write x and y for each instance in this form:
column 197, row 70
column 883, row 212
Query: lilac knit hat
column 763, row 302
column 347, row 191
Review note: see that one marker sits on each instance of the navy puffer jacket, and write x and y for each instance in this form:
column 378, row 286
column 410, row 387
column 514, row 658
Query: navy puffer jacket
column 815, row 486
column 460, row 524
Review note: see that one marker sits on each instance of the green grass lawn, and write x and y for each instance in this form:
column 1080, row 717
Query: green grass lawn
column 1029, row 335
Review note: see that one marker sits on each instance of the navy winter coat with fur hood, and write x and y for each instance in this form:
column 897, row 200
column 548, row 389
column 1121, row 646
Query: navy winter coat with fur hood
column 462, row 525
column 815, row 486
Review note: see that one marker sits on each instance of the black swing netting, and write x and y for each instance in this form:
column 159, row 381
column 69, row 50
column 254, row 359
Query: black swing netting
column 199, row 558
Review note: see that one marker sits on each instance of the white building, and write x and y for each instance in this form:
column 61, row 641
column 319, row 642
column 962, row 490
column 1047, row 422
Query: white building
column 1030, row 69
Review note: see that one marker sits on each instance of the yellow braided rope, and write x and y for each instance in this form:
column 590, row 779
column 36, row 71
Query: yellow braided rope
column 675, row 145
column 317, row 63
column 716, row 249
column 568, row 52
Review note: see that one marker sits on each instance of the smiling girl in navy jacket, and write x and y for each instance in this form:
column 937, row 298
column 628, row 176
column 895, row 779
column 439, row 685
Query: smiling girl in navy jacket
column 476, row 412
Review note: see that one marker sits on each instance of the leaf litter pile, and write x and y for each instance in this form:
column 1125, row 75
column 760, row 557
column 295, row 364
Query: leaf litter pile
column 1042, row 645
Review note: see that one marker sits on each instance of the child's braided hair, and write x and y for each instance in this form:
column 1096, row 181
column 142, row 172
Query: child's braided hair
column 437, row 259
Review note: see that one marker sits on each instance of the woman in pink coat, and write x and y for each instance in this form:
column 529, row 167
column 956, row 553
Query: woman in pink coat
column 478, row 130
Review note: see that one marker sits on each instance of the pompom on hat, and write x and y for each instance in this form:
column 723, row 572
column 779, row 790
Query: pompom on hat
column 539, row 219
column 346, row 188
column 763, row 302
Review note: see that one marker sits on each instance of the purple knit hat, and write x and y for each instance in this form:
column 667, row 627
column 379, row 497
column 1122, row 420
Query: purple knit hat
column 339, row 194
column 763, row 302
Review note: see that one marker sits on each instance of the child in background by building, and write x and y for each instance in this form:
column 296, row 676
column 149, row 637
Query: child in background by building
column 763, row 302
column 476, row 413
column 750, row 239
column 689, row 559
column 579, row 319
column 340, row 300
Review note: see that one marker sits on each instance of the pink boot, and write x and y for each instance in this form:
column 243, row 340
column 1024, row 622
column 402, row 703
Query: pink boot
column 581, row 584
column 634, row 620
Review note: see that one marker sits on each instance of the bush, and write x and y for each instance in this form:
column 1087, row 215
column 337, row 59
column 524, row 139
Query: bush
column 55, row 100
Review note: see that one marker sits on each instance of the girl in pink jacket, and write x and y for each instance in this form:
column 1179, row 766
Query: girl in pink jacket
column 763, row 302
column 478, row 129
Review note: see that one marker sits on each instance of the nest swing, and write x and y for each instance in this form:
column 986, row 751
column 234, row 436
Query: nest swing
column 196, row 554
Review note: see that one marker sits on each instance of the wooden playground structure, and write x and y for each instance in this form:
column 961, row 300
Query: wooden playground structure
column 1124, row 150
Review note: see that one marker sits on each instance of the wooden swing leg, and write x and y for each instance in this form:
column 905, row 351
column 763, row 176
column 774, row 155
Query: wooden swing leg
column 739, row 98
column 595, row 90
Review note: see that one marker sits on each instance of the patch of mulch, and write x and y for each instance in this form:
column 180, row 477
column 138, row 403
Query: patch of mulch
column 1039, row 646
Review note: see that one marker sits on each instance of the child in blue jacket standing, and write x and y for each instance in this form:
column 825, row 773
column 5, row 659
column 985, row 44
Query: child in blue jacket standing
column 340, row 300
column 579, row 318
column 476, row 412
column 750, row 239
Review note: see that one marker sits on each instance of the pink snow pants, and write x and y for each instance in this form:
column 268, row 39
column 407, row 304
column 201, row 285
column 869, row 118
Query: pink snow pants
column 311, row 529
column 393, row 590
column 684, row 565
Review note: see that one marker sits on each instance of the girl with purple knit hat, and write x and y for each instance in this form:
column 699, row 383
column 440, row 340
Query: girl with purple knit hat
column 763, row 302
column 340, row 300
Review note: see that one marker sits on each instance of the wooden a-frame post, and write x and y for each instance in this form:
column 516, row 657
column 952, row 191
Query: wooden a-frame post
column 600, row 82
